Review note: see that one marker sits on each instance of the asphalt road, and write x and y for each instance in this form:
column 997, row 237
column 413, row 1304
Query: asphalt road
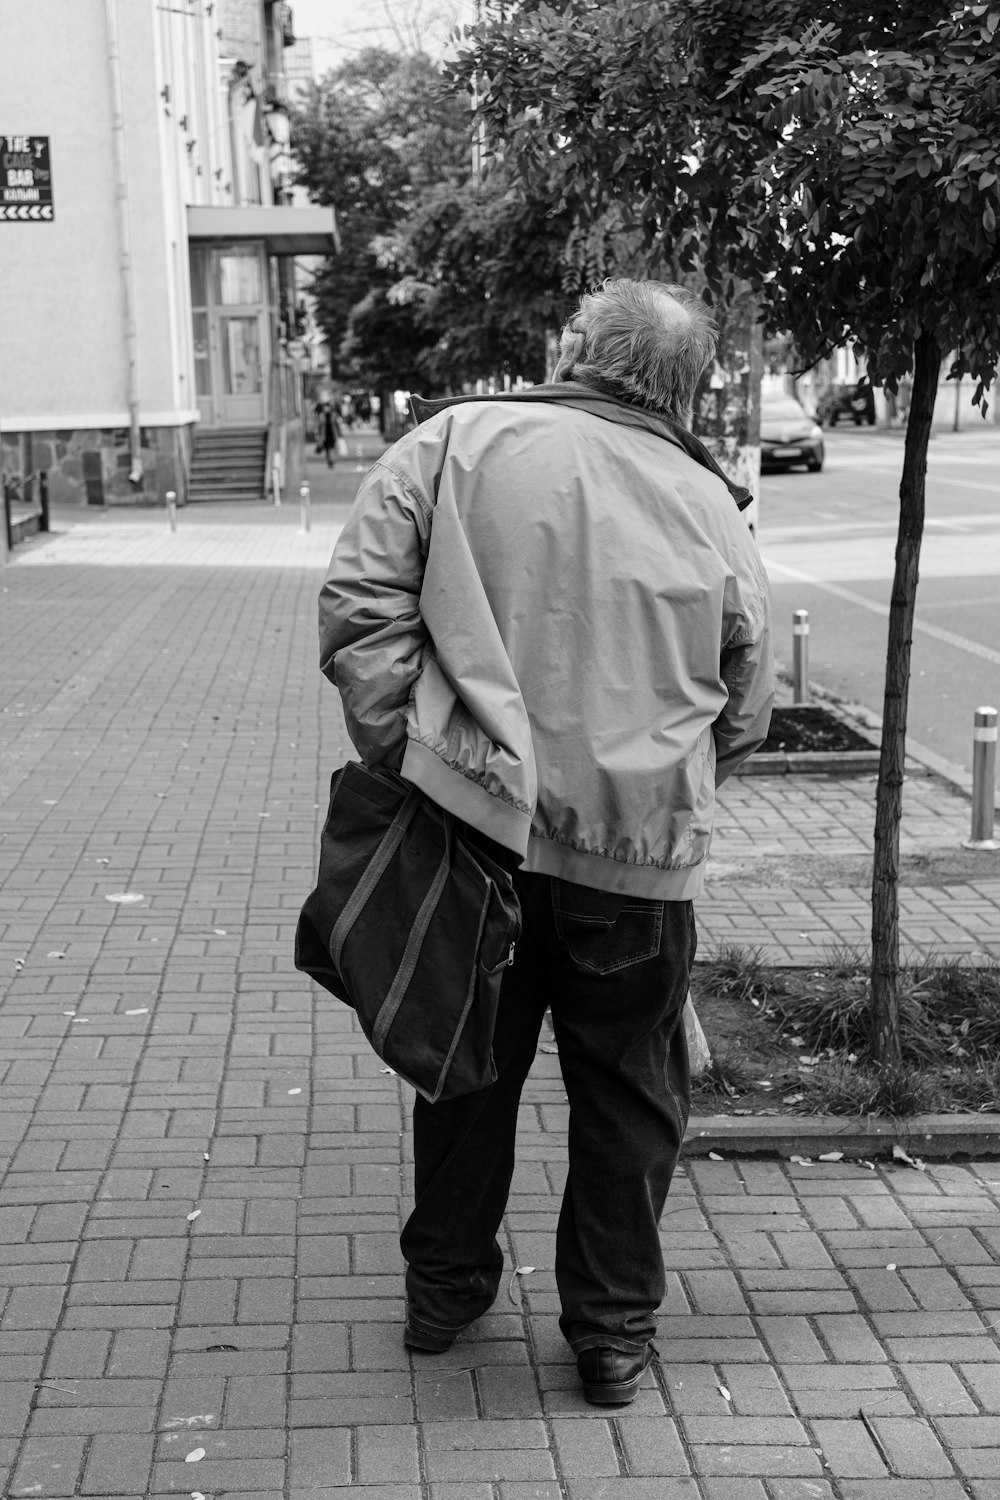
column 828, row 541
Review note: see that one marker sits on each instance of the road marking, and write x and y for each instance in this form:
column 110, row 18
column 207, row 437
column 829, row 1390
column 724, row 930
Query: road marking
column 963, row 484
column 986, row 653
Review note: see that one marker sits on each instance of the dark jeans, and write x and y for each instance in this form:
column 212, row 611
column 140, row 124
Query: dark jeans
column 614, row 970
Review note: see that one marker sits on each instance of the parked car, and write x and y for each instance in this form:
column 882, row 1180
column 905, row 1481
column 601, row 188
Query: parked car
column 789, row 435
column 854, row 401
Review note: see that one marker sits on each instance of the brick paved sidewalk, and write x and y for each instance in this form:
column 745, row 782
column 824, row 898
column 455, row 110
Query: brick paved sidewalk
column 772, row 880
column 205, row 1168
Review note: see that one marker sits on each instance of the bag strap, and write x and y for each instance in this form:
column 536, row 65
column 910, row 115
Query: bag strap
column 391, row 840
column 411, row 953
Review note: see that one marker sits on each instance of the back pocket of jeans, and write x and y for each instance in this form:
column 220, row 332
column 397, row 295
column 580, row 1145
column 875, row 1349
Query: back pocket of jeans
column 603, row 930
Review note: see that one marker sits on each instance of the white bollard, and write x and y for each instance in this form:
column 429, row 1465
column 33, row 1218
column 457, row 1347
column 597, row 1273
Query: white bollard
column 984, row 771
column 276, row 479
column 800, row 657
column 172, row 509
column 305, row 506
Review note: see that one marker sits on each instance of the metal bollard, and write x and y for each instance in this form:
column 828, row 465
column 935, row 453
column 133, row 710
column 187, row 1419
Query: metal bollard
column 305, row 507
column 800, row 657
column 276, row 479
column 984, row 770
column 172, row 509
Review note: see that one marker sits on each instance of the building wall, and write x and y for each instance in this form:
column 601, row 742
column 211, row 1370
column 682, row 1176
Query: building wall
column 61, row 291
column 191, row 78
column 90, row 466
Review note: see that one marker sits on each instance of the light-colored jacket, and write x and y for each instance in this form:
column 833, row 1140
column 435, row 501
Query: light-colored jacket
column 554, row 621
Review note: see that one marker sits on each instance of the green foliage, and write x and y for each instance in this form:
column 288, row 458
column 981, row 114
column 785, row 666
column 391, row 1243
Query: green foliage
column 738, row 973
column 949, row 1012
column 836, row 1088
column 887, row 176
column 369, row 138
column 486, row 263
column 843, row 159
column 727, row 1077
column 950, row 1026
column 446, row 273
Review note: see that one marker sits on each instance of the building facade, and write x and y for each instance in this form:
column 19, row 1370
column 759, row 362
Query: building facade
column 147, row 244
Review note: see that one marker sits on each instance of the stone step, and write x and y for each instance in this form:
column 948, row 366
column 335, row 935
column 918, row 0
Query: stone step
column 225, row 471
column 203, row 496
column 221, row 486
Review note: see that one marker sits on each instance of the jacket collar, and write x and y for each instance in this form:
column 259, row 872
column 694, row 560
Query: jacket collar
column 609, row 408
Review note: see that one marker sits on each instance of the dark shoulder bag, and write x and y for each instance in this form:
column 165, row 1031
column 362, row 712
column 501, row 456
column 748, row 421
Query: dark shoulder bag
column 412, row 926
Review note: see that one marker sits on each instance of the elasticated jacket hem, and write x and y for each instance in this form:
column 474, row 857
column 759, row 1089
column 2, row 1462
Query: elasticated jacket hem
column 466, row 799
column 603, row 873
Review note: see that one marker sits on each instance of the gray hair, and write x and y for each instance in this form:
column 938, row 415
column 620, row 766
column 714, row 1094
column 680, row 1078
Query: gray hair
column 646, row 342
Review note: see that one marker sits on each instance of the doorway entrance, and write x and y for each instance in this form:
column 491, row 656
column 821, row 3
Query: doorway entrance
column 231, row 329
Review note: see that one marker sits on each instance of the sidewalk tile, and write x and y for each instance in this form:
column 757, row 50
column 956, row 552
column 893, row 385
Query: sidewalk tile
column 387, row 1455
column 48, row 1466
column 585, row 1448
column 117, row 1465
column 848, row 1449
column 652, row 1446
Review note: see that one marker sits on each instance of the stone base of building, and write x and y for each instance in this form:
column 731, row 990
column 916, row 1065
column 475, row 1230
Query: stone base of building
column 90, row 466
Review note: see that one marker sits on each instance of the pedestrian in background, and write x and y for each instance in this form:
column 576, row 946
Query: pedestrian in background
column 548, row 613
column 329, row 430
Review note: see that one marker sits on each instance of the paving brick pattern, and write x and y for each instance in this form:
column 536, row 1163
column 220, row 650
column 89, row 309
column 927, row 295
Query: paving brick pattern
column 204, row 1168
column 780, row 817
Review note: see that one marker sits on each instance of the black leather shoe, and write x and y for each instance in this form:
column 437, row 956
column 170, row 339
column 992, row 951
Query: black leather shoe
column 611, row 1377
column 429, row 1338
column 426, row 1343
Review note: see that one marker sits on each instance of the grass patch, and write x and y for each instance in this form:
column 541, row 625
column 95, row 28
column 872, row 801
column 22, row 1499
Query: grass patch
column 800, row 1039
column 726, row 1077
column 740, row 974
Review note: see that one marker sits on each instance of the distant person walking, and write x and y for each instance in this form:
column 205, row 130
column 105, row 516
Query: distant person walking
column 546, row 611
column 328, row 430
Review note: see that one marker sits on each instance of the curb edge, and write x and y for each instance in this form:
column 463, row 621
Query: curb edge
column 934, row 1136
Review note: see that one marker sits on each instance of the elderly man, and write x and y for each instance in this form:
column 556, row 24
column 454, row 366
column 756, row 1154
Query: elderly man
column 546, row 611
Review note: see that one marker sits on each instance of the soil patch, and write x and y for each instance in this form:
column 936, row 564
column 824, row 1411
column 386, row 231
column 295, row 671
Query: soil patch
column 796, row 1041
column 755, row 1069
column 808, row 727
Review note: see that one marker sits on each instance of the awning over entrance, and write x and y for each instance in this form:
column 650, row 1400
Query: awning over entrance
column 284, row 229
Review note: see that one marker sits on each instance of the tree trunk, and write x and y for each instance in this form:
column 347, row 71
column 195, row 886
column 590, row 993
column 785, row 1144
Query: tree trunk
column 889, row 798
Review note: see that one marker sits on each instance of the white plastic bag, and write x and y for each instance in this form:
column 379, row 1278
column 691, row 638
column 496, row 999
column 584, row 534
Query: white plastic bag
column 698, row 1049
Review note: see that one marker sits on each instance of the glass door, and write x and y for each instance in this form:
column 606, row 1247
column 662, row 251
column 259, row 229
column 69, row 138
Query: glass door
column 230, row 334
column 242, row 368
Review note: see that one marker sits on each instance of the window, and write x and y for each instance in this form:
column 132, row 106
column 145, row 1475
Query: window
column 238, row 278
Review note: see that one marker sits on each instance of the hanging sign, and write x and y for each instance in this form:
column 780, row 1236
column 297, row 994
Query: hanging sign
column 25, row 178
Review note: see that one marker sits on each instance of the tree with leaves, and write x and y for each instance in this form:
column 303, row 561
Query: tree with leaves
column 843, row 161
column 447, row 272
column 369, row 139
column 497, row 271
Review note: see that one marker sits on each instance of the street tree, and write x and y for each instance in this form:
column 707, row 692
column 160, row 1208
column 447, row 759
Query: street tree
column 448, row 271
column 487, row 263
column 369, row 138
column 842, row 160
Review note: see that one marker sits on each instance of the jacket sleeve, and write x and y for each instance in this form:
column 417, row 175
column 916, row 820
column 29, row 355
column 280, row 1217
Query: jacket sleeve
column 372, row 637
column 748, row 676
